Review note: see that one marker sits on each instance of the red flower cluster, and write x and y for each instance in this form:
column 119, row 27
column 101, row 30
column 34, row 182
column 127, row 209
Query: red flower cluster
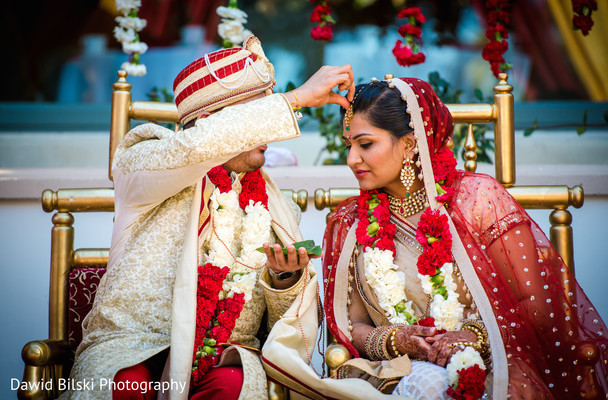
column 374, row 228
column 582, row 15
column 470, row 384
column 444, row 170
column 254, row 188
column 498, row 18
column 219, row 177
column 409, row 53
column 253, row 185
column 430, row 322
column 215, row 319
column 436, row 240
column 321, row 15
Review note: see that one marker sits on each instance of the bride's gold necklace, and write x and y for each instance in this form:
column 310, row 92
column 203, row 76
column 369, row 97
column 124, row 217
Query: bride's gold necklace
column 410, row 205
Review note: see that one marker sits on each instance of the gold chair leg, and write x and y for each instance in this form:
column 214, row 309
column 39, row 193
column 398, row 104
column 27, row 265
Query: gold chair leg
column 277, row 392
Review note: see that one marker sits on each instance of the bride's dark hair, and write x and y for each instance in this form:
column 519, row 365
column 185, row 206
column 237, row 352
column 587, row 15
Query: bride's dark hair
column 383, row 108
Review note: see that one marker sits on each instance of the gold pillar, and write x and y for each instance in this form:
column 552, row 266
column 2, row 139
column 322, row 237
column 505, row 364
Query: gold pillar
column 470, row 147
column 504, row 132
column 62, row 239
column 120, row 121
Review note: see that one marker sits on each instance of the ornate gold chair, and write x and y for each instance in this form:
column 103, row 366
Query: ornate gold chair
column 75, row 273
column 555, row 198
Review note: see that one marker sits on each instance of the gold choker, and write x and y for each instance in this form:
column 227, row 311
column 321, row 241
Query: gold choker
column 409, row 205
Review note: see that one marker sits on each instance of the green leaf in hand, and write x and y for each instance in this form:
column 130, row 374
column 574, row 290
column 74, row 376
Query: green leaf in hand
column 309, row 245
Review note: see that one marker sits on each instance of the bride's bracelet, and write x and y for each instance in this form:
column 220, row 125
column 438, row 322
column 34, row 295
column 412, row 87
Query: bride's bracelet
column 377, row 341
column 479, row 329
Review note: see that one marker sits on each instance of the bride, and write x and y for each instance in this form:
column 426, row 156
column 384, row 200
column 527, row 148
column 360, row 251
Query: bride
column 436, row 280
column 445, row 269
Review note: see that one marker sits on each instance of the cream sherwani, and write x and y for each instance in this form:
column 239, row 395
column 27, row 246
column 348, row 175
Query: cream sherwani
column 146, row 302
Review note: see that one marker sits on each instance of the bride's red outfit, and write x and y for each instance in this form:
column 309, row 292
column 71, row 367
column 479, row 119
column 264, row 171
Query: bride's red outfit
column 543, row 316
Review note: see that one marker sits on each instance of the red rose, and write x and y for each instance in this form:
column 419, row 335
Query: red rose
column 386, row 243
column 322, row 32
column 409, row 12
column 220, row 333
column 447, row 196
column 405, row 56
column 219, row 177
column 498, row 16
column 582, row 22
column 578, row 6
column 499, row 29
column 471, row 382
column 424, row 265
column 410, row 30
column 426, row 321
column 498, row 3
column 318, row 12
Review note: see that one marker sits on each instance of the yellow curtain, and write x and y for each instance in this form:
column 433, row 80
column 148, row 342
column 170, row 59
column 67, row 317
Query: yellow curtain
column 589, row 54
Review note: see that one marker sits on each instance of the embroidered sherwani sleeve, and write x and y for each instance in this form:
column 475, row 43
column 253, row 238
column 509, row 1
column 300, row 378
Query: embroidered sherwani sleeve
column 279, row 301
column 156, row 163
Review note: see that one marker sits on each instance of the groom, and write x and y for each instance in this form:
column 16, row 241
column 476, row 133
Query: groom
column 186, row 298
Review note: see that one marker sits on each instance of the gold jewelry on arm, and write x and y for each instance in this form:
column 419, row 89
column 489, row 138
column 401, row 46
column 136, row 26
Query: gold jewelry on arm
column 479, row 329
column 296, row 108
column 376, row 344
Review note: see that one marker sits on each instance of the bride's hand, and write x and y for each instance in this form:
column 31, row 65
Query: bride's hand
column 410, row 340
column 441, row 352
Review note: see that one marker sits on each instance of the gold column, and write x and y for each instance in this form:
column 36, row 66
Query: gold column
column 504, row 132
column 62, row 239
column 120, row 121
column 470, row 147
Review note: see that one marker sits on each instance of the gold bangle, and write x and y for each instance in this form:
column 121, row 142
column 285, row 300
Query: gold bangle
column 297, row 106
column 393, row 346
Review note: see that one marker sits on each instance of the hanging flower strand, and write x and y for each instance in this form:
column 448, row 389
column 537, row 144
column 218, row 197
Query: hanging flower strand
column 231, row 29
column 126, row 33
column 498, row 18
column 321, row 15
column 582, row 15
column 410, row 53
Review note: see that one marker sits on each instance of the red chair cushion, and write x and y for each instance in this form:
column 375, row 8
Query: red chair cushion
column 83, row 284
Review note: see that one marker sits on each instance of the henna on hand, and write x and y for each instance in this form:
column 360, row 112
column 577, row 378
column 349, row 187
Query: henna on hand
column 410, row 340
column 441, row 352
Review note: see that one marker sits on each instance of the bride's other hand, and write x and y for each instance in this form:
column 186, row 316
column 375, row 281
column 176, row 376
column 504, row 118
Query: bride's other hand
column 441, row 351
column 410, row 340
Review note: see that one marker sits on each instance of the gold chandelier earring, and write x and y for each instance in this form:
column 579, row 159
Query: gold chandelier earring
column 408, row 174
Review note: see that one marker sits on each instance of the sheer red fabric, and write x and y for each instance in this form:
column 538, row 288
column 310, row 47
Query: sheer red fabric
column 547, row 322
column 554, row 339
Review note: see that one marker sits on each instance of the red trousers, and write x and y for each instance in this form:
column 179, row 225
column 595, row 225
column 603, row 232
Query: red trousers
column 219, row 383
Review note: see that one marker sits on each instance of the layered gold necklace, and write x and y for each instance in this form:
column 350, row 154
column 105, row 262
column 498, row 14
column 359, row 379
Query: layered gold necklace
column 408, row 205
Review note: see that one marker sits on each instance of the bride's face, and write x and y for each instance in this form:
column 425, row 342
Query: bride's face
column 374, row 156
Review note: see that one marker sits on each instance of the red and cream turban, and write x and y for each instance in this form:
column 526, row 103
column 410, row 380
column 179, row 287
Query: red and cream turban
column 222, row 78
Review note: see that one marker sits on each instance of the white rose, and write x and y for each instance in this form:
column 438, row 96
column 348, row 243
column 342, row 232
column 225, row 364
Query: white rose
column 134, row 69
column 230, row 29
column 134, row 23
column 125, row 6
column 463, row 359
column 232, row 13
column 124, row 35
column 134, row 47
column 448, row 313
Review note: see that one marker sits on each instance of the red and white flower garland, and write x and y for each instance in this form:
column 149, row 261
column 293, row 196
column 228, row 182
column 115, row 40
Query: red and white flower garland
column 435, row 266
column 240, row 223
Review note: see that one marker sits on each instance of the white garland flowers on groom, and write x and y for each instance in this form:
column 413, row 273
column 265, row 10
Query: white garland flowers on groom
column 126, row 33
